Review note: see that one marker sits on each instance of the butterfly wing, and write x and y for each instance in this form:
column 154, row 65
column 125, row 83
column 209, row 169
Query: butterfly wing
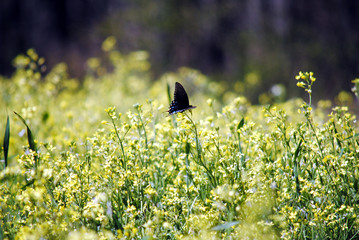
column 180, row 101
column 181, row 96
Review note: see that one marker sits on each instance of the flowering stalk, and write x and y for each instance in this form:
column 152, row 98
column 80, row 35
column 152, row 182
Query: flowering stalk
column 306, row 80
column 112, row 114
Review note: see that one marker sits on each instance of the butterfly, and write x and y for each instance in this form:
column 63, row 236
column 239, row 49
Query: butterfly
column 180, row 102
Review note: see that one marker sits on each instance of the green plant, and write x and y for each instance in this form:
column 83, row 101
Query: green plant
column 227, row 171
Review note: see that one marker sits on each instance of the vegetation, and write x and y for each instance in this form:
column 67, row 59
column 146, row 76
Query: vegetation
column 230, row 170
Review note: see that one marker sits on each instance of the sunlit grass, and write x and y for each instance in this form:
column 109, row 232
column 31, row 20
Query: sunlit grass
column 110, row 163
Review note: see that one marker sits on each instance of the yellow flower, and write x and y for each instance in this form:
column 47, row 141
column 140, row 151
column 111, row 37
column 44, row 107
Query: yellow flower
column 109, row 44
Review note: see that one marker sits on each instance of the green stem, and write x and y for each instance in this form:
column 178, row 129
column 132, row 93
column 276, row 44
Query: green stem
column 199, row 154
column 143, row 127
column 315, row 134
column 121, row 144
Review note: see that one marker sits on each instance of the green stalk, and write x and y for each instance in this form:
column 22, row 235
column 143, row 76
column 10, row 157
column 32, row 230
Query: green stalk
column 188, row 148
column 121, row 144
column 316, row 136
column 143, row 127
column 211, row 178
column 239, row 126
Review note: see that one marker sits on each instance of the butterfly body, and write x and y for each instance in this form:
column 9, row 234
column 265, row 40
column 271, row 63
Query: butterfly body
column 180, row 101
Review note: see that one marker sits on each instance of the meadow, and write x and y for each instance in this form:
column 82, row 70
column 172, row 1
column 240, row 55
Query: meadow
column 102, row 159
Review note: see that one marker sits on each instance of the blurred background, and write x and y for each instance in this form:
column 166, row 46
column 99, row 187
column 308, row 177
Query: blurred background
column 256, row 47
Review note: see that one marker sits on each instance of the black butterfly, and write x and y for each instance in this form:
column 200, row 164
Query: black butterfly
column 180, row 102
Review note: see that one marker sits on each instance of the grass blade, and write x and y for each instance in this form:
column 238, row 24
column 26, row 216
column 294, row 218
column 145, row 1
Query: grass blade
column 6, row 141
column 335, row 135
column 225, row 226
column 296, row 171
column 30, row 137
column 239, row 126
column 169, row 94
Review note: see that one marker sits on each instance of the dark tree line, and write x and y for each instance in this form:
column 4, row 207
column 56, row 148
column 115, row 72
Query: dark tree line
column 224, row 39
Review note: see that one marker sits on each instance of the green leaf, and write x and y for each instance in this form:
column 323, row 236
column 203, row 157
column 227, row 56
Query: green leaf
column 30, row 137
column 240, row 124
column 225, row 226
column 354, row 136
column 169, row 94
column 6, row 140
column 188, row 148
column 336, row 132
column 296, row 171
column 297, row 151
column 29, row 183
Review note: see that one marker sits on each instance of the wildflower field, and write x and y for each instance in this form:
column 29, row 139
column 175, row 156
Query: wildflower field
column 102, row 159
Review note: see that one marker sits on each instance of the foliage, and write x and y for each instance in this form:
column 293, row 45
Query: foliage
column 235, row 171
